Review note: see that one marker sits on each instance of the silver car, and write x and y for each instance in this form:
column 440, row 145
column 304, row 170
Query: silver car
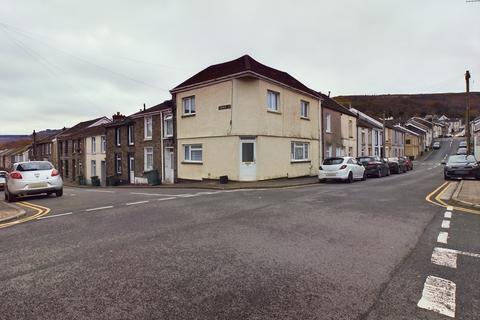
column 34, row 177
column 3, row 177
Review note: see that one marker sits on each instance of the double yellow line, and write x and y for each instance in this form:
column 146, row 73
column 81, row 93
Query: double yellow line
column 439, row 202
column 40, row 212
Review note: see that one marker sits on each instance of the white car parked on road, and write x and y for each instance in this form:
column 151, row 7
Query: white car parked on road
column 34, row 177
column 341, row 168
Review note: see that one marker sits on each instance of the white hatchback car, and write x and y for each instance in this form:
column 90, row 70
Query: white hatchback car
column 34, row 177
column 341, row 168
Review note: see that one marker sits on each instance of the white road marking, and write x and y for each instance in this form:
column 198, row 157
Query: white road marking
column 152, row 194
column 442, row 237
column 439, row 296
column 445, row 224
column 104, row 191
column 187, row 195
column 99, row 208
column 448, row 214
column 55, row 215
column 169, row 198
column 444, row 257
column 449, row 208
column 138, row 202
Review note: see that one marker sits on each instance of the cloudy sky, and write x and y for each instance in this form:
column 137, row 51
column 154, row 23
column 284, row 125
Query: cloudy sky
column 67, row 61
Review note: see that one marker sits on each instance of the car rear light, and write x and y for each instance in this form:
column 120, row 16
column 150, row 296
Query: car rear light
column 343, row 167
column 320, row 168
column 15, row 175
column 55, row 172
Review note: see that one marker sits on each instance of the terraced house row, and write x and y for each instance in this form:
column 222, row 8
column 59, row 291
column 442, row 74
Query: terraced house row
column 239, row 120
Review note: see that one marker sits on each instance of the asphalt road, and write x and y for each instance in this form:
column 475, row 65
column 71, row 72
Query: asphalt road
column 326, row 251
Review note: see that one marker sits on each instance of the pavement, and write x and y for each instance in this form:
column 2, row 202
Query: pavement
column 467, row 193
column 10, row 212
column 319, row 251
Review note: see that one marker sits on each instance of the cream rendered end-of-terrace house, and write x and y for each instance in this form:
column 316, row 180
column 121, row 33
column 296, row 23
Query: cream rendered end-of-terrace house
column 247, row 121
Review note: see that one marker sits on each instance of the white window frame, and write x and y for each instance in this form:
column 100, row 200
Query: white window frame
column 93, row 169
column 168, row 119
column 304, row 147
column 118, row 163
column 188, row 105
column 304, row 109
column 103, row 142
column 273, row 104
column 329, row 151
column 328, row 123
column 147, row 151
column 146, row 122
column 93, row 147
column 117, row 137
column 189, row 148
column 131, row 133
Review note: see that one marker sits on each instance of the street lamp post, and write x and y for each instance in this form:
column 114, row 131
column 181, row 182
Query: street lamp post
column 467, row 116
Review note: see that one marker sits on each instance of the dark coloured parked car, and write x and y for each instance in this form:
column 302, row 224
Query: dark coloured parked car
column 397, row 165
column 375, row 166
column 408, row 163
column 461, row 166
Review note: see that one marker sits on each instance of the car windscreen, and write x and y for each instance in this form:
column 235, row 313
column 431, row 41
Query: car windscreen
column 332, row 161
column 34, row 166
column 365, row 159
column 461, row 159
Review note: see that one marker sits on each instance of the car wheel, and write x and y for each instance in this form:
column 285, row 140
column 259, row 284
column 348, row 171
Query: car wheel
column 11, row 197
column 321, row 180
column 388, row 172
column 365, row 176
column 5, row 195
column 379, row 173
column 446, row 177
column 59, row 193
column 350, row 177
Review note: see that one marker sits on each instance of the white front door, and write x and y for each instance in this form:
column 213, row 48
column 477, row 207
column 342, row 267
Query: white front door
column 131, row 166
column 248, row 170
column 169, row 163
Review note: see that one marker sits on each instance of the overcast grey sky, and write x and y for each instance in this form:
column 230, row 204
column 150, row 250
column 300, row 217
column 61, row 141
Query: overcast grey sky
column 67, row 61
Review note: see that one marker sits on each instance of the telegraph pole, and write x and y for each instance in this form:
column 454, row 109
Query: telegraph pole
column 467, row 115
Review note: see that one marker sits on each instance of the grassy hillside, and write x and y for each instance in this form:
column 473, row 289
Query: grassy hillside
column 403, row 106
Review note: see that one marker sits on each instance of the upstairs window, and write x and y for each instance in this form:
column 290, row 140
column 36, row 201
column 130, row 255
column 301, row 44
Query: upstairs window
column 188, row 105
column 299, row 151
column 304, row 109
column 148, row 128
column 328, row 123
column 168, row 126
column 350, row 128
column 117, row 137
column 273, row 100
column 130, row 135
column 94, row 145
column 103, row 144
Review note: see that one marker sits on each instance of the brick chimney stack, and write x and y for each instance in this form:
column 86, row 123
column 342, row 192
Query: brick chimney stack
column 118, row 117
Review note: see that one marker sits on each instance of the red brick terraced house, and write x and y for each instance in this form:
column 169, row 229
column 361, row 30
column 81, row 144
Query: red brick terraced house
column 142, row 142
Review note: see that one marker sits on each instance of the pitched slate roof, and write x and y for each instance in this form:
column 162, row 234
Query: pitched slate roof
column 364, row 124
column 162, row 106
column 414, row 129
column 243, row 66
column 331, row 104
column 78, row 128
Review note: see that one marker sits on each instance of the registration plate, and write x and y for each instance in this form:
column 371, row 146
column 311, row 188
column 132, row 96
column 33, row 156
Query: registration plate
column 330, row 174
column 37, row 185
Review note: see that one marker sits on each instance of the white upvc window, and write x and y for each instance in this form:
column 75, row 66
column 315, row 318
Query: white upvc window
column 193, row 152
column 168, row 126
column 94, row 145
column 148, row 127
column 118, row 163
column 103, row 146
column 117, row 136
column 300, row 151
column 328, row 122
column 148, row 162
column 131, row 140
column 339, row 152
column 329, row 150
column 273, row 100
column 94, row 168
column 304, row 109
column 188, row 105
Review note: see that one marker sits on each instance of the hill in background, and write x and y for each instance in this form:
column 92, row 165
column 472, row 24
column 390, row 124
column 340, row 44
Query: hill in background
column 404, row 106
